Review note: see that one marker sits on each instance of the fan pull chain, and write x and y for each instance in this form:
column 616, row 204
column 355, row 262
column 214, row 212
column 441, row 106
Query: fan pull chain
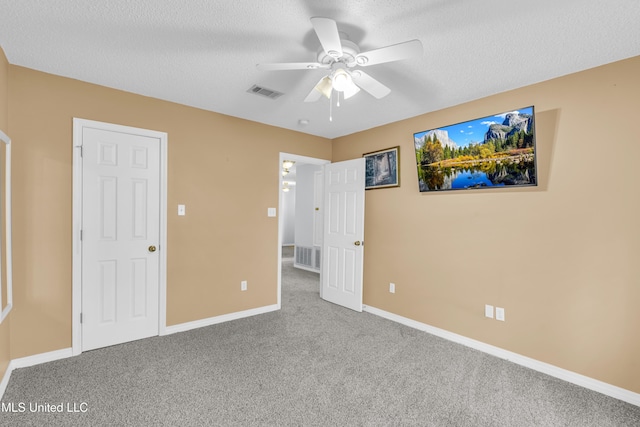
column 330, row 106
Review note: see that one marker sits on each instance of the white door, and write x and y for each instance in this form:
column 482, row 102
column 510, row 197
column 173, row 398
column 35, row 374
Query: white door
column 342, row 249
column 318, row 197
column 120, row 237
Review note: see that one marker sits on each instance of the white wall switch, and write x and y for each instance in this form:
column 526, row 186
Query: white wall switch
column 243, row 285
column 500, row 313
column 488, row 311
column 181, row 210
column 271, row 212
column 392, row 288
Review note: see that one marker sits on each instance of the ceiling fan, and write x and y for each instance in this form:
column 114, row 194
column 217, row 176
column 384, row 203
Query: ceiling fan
column 341, row 56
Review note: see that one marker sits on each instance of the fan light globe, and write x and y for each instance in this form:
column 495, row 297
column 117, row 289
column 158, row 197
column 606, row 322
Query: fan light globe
column 341, row 80
column 324, row 86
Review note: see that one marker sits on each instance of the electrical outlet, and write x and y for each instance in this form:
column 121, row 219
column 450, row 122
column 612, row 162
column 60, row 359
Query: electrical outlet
column 392, row 288
column 488, row 311
column 500, row 313
column 243, row 285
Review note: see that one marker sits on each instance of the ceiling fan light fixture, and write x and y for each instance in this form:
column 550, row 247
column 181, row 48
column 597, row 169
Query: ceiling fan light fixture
column 339, row 54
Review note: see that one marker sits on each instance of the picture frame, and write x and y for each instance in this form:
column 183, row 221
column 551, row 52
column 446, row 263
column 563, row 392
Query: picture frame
column 382, row 168
column 496, row 151
column 6, row 276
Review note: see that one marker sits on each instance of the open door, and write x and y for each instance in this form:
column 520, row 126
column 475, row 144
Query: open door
column 342, row 248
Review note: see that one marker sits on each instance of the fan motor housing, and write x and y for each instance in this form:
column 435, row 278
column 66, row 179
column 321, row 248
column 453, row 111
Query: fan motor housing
column 349, row 52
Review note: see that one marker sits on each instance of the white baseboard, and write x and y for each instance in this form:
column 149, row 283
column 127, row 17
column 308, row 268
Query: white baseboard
column 554, row 371
column 37, row 359
column 5, row 380
column 183, row 327
column 304, row 267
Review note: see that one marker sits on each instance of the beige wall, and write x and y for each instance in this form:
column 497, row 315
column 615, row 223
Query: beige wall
column 561, row 258
column 224, row 169
column 4, row 122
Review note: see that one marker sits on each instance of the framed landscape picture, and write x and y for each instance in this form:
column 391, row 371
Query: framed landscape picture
column 382, row 168
column 495, row 151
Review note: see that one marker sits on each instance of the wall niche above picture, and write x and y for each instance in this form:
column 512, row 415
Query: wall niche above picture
column 495, row 151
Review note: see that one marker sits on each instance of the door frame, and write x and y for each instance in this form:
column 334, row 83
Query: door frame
column 302, row 160
column 76, row 279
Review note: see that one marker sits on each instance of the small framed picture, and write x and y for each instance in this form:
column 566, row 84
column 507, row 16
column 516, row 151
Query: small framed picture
column 382, row 168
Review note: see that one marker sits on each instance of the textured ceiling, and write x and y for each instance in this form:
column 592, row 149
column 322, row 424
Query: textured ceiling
column 203, row 53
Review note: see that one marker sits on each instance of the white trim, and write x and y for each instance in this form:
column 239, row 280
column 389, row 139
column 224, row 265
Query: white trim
column 304, row 267
column 554, row 371
column 78, row 124
column 5, row 379
column 183, row 327
column 164, row 183
column 37, row 359
column 7, row 239
column 298, row 159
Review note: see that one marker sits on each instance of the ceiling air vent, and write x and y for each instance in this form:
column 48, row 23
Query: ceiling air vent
column 263, row 91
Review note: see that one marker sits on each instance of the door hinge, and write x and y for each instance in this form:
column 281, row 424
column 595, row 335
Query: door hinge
column 80, row 317
column 80, row 234
column 81, row 151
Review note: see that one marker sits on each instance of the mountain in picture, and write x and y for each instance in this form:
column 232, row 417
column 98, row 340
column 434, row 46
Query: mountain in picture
column 513, row 123
column 440, row 135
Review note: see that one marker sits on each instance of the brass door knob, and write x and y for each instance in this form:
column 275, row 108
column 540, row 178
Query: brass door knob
column 357, row 243
column 152, row 248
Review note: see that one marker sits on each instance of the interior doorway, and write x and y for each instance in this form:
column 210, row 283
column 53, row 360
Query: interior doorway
column 288, row 212
column 119, row 234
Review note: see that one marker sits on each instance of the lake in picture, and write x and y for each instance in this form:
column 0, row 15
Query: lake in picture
column 476, row 176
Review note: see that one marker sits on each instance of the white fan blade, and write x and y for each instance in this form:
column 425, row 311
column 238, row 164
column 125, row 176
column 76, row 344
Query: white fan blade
column 327, row 32
column 322, row 88
column 292, row 66
column 369, row 84
column 313, row 96
column 350, row 90
column 391, row 53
